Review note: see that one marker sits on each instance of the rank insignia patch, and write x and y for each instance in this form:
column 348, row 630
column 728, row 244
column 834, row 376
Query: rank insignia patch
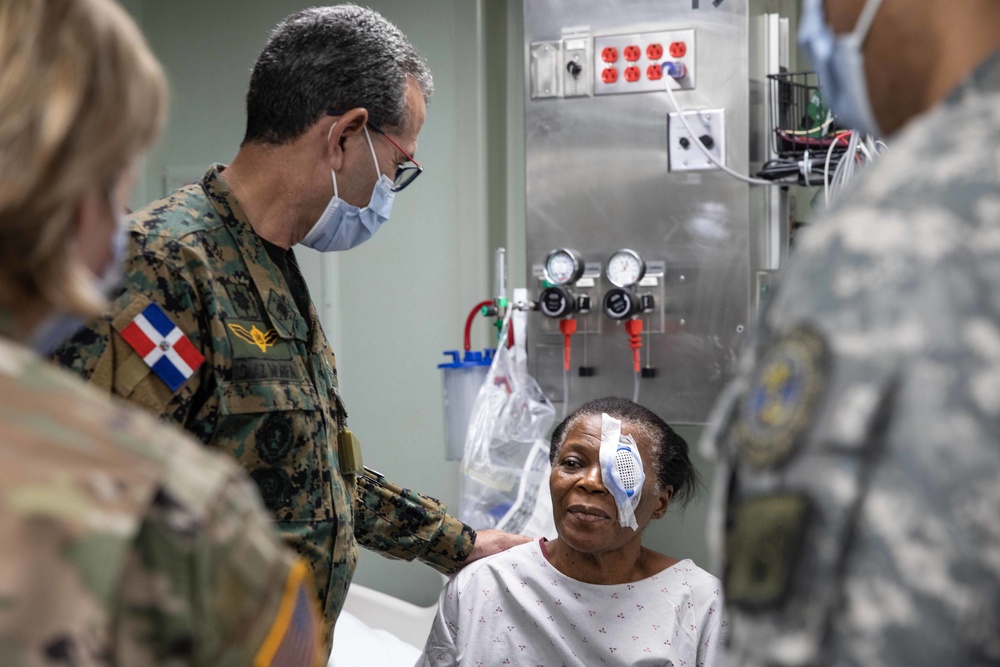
column 254, row 336
column 255, row 339
column 783, row 395
column 163, row 346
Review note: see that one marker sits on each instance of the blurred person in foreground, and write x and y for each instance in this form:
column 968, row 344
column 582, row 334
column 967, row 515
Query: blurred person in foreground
column 859, row 453
column 124, row 543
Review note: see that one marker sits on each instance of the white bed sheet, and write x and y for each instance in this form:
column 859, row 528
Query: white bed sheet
column 356, row 644
column 378, row 630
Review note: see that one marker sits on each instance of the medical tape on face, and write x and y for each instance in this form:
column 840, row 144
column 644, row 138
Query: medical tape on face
column 621, row 469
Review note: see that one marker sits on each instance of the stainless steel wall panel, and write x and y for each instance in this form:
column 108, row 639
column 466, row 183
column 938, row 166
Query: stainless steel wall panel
column 597, row 180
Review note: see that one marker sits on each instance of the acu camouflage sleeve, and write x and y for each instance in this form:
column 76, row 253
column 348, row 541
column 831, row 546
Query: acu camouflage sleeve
column 215, row 587
column 100, row 355
column 403, row 524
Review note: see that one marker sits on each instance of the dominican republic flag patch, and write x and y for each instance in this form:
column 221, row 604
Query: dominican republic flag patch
column 163, row 346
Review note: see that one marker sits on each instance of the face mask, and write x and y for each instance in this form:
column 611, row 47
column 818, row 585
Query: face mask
column 60, row 327
column 839, row 62
column 621, row 470
column 342, row 226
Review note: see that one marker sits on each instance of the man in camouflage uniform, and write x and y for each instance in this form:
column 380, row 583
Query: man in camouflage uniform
column 337, row 89
column 858, row 492
column 123, row 541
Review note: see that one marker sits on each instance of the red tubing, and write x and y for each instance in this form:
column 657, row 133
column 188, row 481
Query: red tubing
column 468, row 322
column 568, row 328
column 634, row 329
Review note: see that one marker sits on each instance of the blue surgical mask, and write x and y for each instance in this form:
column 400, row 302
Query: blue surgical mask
column 839, row 62
column 343, row 226
column 58, row 328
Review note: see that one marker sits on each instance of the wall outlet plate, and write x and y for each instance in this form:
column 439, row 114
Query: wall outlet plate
column 648, row 50
column 546, row 77
column 684, row 155
column 576, row 72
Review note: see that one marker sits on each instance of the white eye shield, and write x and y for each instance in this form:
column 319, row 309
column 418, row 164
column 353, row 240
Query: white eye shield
column 621, row 469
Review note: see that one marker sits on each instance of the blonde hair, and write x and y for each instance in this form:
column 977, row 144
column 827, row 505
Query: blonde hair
column 81, row 97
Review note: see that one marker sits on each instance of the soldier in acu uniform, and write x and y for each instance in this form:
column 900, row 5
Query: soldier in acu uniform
column 123, row 541
column 858, row 495
column 336, row 101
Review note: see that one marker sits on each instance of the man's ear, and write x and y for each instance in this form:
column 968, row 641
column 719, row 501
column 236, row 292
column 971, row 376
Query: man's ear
column 341, row 128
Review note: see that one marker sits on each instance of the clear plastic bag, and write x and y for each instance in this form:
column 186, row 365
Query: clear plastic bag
column 505, row 467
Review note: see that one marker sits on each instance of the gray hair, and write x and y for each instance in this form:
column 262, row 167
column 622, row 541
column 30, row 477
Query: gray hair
column 324, row 58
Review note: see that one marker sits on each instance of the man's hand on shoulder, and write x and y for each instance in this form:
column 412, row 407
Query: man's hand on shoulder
column 489, row 542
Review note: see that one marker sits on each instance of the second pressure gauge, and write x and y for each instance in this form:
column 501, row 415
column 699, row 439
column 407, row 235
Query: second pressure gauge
column 626, row 268
column 563, row 266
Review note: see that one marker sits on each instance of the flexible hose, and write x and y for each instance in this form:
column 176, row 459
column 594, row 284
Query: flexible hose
column 634, row 330
column 565, row 393
column 470, row 318
column 568, row 328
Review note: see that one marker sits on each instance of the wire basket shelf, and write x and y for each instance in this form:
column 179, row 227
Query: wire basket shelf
column 800, row 120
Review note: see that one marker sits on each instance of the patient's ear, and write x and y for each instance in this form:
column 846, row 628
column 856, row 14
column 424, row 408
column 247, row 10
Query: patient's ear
column 663, row 501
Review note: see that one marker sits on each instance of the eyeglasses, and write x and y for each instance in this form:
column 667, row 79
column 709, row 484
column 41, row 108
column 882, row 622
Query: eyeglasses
column 407, row 172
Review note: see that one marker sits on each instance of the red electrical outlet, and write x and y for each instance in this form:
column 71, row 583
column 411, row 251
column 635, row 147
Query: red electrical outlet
column 632, row 74
column 654, row 52
column 678, row 49
column 609, row 54
column 654, row 73
column 632, row 53
column 610, row 75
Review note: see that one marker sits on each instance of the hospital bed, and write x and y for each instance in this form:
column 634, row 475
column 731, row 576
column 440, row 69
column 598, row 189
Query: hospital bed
column 378, row 630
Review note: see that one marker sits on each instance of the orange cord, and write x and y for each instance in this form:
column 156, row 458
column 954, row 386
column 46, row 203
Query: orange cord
column 634, row 329
column 568, row 328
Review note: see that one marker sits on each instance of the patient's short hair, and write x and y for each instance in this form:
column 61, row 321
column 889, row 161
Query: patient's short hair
column 670, row 451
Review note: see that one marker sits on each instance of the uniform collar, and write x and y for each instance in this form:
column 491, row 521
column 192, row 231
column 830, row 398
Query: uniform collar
column 267, row 278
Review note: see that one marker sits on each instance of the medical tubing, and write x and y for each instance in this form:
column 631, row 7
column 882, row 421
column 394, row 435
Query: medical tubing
column 634, row 330
column 649, row 350
column 565, row 393
column 697, row 142
column 568, row 328
column 635, row 388
column 468, row 322
column 826, row 169
column 845, row 169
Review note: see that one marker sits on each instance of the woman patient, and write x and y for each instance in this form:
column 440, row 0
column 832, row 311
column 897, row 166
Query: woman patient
column 593, row 595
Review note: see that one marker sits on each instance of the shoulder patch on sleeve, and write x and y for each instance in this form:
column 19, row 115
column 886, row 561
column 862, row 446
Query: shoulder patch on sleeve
column 781, row 400
column 161, row 344
column 294, row 637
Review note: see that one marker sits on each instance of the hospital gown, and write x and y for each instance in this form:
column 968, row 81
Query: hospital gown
column 515, row 608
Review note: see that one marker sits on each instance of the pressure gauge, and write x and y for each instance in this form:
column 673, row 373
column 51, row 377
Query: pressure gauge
column 563, row 266
column 626, row 268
